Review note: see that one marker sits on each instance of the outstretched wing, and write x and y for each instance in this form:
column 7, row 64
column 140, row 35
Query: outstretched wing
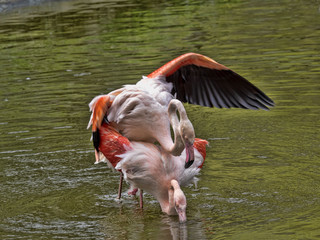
column 200, row 80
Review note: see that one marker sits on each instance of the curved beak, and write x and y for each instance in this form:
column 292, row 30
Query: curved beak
column 189, row 155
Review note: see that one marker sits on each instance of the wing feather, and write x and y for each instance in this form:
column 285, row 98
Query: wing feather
column 221, row 88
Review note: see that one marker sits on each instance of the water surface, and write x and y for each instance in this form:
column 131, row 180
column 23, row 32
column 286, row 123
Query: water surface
column 261, row 176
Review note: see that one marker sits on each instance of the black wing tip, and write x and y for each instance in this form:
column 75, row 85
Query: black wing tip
column 229, row 90
column 264, row 102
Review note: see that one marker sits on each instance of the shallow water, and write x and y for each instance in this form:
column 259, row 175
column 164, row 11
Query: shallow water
column 261, row 177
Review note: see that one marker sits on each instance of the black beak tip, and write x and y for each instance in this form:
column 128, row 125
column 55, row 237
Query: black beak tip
column 188, row 164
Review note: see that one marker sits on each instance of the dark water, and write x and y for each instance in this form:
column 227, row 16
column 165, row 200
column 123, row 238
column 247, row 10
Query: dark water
column 261, row 179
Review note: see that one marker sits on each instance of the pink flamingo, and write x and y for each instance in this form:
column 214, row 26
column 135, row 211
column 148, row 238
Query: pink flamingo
column 151, row 168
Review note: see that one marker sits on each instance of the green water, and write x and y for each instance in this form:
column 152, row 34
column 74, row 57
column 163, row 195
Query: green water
column 261, row 178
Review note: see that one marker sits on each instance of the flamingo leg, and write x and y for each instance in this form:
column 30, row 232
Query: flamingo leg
column 141, row 198
column 96, row 154
column 120, row 185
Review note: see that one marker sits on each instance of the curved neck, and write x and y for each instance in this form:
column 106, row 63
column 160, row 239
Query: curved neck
column 175, row 148
column 167, row 200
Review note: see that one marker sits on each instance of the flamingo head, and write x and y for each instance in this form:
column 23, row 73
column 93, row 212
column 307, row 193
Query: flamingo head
column 180, row 201
column 187, row 135
column 181, row 205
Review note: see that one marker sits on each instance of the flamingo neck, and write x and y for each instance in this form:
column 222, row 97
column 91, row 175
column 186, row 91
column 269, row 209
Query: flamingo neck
column 166, row 201
column 175, row 148
column 165, row 196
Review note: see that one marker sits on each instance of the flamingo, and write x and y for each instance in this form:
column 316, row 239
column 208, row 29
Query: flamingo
column 150, row 167
column 139, row 111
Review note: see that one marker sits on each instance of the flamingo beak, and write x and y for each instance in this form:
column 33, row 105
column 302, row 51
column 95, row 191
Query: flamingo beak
column 182, row 216
column 189, row 155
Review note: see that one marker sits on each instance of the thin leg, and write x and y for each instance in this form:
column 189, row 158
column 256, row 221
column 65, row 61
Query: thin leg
column 120, row 185
column 141, row 198
column 96, row 154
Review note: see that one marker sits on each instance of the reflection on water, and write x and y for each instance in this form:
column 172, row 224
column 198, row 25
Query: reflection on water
column 261, row 176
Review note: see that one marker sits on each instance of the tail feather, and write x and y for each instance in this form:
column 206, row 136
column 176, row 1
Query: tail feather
column 200, row 145
column 99, row 107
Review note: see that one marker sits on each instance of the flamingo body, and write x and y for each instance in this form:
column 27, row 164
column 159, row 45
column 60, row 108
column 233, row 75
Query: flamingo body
column 146, row 162
column 139, row 114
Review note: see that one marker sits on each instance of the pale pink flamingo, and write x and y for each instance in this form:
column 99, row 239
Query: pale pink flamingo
column 149, row 167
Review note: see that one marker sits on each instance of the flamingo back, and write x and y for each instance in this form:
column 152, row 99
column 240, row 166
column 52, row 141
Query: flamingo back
column 138, row 115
